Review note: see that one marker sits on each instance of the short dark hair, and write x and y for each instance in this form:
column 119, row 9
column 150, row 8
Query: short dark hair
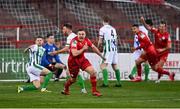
column 149, row 22
column 163, row 22
column 48, row 35
column 38, row 37
column 81, row 29
column 135, row 25
column 68, row 25
column 106, row 19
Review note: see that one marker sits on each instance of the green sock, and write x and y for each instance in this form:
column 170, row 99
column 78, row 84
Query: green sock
column 117, row 73
column 29, row 88
column 105, row 76
column 81, row 82
column 146, row 71
column 134, row 71
column 46, row 79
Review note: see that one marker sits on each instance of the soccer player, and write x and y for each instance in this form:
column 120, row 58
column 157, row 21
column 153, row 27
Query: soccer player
column 34, row 68
column 108, row 38
column 67, row 31
column 149, row 54
column 77, row 61
column 137, row 53
column 53, row 63
column 162, row 42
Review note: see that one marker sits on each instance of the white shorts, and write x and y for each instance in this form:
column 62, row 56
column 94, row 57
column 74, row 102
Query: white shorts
column 34, row 72
column 136, row 54
column 111, row 58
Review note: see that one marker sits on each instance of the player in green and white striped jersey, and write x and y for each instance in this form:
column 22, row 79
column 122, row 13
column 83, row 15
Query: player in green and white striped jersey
column 34, row 68
column 108, row 39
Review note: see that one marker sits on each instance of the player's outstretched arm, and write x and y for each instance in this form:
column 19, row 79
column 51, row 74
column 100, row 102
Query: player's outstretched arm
column 96, row 50
column 167, row 48
column 65, row 49
column 148, row 27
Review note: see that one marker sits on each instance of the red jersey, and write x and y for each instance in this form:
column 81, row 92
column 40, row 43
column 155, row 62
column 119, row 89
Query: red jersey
column 76, row 44
column 148, row 47
column 144, row 41
column 161, row 39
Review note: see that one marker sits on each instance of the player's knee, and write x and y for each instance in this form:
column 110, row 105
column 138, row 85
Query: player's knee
column 73, row 80
column 103, row 66
column 137, row 62
column 154, row 67
column 93, row 73
column 38, row 86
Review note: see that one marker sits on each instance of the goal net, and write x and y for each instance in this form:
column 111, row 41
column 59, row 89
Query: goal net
column 22, row 20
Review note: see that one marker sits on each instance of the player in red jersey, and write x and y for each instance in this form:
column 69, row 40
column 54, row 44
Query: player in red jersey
column 149, row 54
column 78, row 61
column 162, row 41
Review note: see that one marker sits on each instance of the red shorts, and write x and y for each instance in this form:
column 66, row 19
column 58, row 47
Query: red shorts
column 74, row 64
column 151, row 56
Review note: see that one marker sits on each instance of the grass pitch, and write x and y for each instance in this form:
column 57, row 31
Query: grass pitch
column 139, row 95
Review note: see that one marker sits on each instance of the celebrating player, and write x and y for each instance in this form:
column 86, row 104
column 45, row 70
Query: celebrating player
column 78, row 61
column 149, row 54
column 108, row 37
column 53, row 63
column 34, row 68
column 162, row 42
column 67, row 31
column 137, row 53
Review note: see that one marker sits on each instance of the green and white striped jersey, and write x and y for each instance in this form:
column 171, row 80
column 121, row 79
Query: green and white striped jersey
column 109, row 35
column 35, row 54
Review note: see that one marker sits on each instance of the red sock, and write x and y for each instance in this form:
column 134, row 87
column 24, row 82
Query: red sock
column 67, row 84
column 93, row 83
column 139, row 70
column 161, row 71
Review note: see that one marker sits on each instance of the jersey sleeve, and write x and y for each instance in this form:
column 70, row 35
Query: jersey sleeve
column 101, row 33
column 169, row 39
column 32, row 48
column 73, row 44
column 89, row 43
column 153, row 30
column 68, row 41
column 56, row 48
column 44, row 58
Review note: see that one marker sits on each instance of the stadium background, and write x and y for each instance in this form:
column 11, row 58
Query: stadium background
column 21, row 20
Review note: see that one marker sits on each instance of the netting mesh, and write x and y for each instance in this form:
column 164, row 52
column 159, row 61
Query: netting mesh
column 39, row 17
column 29, row 17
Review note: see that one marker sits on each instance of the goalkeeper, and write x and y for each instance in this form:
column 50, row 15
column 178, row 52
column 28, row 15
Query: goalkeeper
column 53, row 63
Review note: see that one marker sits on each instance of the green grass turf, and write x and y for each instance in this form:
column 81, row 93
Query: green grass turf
column 144, row 94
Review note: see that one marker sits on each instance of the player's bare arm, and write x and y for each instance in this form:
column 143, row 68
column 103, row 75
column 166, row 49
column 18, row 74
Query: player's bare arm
column 63, row 50
column 76, row 52
column 161, row 50
column 96, row 50
column 148, row 27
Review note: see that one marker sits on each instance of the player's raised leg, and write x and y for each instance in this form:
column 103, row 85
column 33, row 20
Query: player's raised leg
column 47, row 78
column 93, row 80
column 139, row 61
